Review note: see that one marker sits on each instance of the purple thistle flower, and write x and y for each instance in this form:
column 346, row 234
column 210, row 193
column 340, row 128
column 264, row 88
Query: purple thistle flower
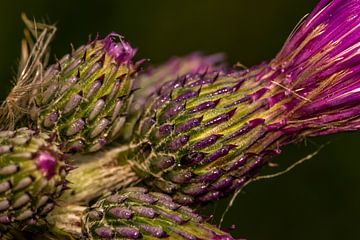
column 312, row 87
column 320, row 66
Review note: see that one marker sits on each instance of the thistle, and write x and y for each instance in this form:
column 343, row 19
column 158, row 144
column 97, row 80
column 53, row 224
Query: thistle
column 83, row 98
column 85, row 95
column 32, row 176
column 135, row 213
column 203, row 136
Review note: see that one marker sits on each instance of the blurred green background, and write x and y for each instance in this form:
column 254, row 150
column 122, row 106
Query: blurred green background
column 320, row 199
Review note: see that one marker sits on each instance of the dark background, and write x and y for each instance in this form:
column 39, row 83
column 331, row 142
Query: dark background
column 320, row 199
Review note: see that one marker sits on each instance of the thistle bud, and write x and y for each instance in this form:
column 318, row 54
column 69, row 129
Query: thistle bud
column 84, row 96
column 135, row 213
column 203, row 136
column 32, row 176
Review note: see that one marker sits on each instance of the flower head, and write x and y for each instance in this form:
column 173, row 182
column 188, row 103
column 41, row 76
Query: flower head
column 203, row 136
column 320, row 66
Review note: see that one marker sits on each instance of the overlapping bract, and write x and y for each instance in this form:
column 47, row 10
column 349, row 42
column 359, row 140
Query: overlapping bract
column 203, row 136
column 152, row 78
column 136, row 213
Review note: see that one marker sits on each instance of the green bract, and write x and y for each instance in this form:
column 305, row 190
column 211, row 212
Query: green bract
column 83, row 98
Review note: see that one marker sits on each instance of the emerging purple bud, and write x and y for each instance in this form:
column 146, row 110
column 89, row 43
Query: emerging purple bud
column 46, row 163
column 119, row 49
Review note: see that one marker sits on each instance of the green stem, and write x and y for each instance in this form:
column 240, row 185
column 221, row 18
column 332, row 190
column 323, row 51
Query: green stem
column 97, row 174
